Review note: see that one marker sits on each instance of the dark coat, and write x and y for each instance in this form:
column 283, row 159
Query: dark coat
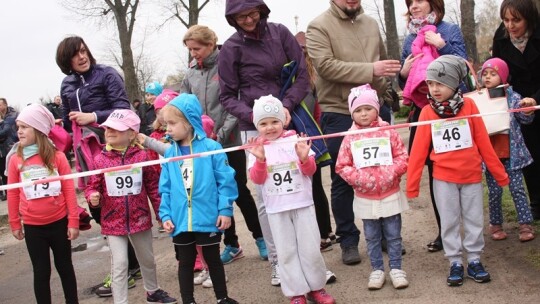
column 8, row 131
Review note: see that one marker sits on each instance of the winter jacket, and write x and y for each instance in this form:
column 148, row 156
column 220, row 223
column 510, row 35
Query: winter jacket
column 147, row 114
column 202, row 79
column 8, row 131
column 45, row 210
column 250, row 64
column 343, row 52
column 416, row 89
column 129, row 214
column 451, row 33
column 214, row 188
column 100, row 90
column 376, row 182
column 460, row 166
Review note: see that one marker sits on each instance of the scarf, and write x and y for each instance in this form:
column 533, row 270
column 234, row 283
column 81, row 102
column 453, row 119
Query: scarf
column 447, row 108
column 415, row 24
column 30, row 151
column 520, row 42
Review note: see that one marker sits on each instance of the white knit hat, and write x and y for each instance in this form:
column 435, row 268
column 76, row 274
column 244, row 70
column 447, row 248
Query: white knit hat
column 267, row 106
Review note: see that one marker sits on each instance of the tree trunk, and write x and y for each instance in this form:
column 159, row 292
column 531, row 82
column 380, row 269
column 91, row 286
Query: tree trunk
column 468, row 28
column 392, row 40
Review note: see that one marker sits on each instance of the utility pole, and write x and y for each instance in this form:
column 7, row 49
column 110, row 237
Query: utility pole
column 296, row 22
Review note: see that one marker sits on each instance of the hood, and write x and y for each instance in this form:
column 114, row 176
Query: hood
column 208, row 63
column 189, row 105
column 233, row 7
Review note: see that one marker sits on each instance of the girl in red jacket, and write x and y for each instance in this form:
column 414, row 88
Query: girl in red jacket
column 49, row 210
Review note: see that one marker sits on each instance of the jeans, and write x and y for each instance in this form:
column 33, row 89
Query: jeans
column 374, row 230
column 341, row 193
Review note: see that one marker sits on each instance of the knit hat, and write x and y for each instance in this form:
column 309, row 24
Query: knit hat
column 154, row 88
column 208, row 125
column 38, row 117
column 448, row 70
column 164, row 98
column 499, row 66
column 267, row 106
column 123, row 120
column 363, row 95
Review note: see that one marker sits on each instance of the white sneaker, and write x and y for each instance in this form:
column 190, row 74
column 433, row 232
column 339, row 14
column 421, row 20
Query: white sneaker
column 376, row 280
column 399, row 278
column 208, row 282
column 276, row 281
column 330, row 277
column 201, row 277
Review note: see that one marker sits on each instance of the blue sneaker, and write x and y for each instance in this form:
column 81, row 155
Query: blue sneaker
column 230, row 254
column 456, row 275
column 159, row 296
column 262, row 248
column 476, row 271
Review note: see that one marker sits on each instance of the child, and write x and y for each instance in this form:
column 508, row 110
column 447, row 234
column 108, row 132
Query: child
column 283, row 168
column 123, row 198
column 511, row 150
column 197, row 196
column 146, row 110
column 49, row 211
column 373, row 163
column 459, row 147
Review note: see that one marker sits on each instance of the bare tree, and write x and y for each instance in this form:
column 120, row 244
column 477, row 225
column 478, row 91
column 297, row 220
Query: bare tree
column 487, row 22
column 468, row 28
column 392, row 40
column 179, row 8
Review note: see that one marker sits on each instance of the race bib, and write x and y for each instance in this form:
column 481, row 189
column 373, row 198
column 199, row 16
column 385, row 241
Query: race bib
column 124, row 182
column 371, row 152
column 284, row 179
column 40, row 190
column 451, row 135
column 187, row 173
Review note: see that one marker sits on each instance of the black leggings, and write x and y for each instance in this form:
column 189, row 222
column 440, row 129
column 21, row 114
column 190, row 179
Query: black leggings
column 322, row 209
column 186, row 261
column 39, row 240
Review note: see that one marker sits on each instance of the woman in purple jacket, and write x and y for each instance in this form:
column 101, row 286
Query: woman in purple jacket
column 249, row 67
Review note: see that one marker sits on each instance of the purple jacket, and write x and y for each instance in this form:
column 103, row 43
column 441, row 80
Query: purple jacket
column 250, row 64
column 101, row 90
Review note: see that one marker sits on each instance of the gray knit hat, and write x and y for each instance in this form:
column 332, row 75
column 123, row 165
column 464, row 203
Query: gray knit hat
column 267, row 106
column 448, row 70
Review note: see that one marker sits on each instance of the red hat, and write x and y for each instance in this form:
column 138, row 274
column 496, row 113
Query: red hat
column 164, row 98
column 499, row 66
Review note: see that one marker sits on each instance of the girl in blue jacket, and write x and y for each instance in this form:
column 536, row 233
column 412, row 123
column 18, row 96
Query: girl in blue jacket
column 196, row 196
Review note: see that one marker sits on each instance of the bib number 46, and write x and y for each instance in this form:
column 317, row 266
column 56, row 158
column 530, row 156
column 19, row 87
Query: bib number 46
column 451, row 134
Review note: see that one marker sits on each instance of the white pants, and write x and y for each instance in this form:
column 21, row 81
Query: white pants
column 142, row 243
column 297, row 239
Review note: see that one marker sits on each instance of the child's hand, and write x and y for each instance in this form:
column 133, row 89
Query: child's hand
column 141, row 137
column 72, row 233
column 223, row 222
column 302, row 148
column 168, row 226
column 95, row 198
column 258, row 149
column 18, row 234
column 527, row 102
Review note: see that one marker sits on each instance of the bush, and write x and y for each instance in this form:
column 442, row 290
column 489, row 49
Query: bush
column 403, row 112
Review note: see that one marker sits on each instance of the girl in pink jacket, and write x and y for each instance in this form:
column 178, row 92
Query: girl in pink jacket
column 373, row 163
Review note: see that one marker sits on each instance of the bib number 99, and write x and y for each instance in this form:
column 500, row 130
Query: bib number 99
column 126, row 182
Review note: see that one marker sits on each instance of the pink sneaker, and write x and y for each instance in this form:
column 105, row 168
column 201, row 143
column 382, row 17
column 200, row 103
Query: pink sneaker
column 198, row 264
column 298, row 300
column 320, row 297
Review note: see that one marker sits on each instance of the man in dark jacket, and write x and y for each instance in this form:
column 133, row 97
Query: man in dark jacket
column 56, row 107
column 8, row 136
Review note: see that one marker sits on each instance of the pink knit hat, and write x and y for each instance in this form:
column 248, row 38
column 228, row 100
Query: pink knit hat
column 499, row 66
column 208, row 125
column 363, row 95
column 38, row 117
column 164, row 98
column 123, row 120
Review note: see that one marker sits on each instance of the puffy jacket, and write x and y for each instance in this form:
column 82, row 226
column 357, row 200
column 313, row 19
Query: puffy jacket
column 100, row 90
column 376, row 182
column 8, row 131
column 250, row 64
column 213, row 190
column 122, row 215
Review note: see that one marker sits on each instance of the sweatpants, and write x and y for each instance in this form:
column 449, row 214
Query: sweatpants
column 460, row 203
column 297, row 240
column 142, row 243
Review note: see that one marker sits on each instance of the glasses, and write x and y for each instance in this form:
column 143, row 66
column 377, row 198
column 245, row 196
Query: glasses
column 253, row 15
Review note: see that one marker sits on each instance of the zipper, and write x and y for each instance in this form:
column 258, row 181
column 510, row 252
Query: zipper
column 126, row 199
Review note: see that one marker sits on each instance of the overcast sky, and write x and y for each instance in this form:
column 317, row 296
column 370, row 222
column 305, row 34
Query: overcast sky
column 31, row 31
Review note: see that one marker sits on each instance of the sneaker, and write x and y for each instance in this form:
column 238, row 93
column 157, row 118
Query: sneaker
column 208, row 282
column 398, row 278
column 330, row 277
column 456, row 275
column 350, row 255
column 263, row 253
column 320, row 297
column 159, row 296
column 326, row 245
column 299, row 300
column 376, row 280
column 476, row 271
column 136, row 273
column 231, row 254
column 106, row 291
column 227, row 300
column 198, row 264
column 201, row 277
column 275, row 281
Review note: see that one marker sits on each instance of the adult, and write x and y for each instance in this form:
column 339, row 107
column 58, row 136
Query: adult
column 202, row 80
column 447, row 40
column 517, row 42
column 249, row 67
column 334, row 39
column 8, row 136
column 56, row 107
column 146, row 111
